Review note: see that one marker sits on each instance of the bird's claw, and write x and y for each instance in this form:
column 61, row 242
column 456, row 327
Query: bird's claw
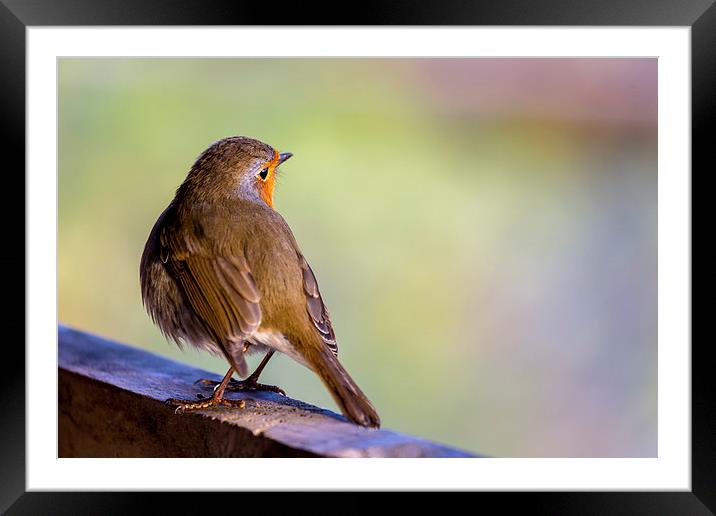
column 185, row 405
column 244, row 385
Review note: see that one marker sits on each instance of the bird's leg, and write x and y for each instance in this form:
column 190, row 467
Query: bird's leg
column 251, row 383
column 216, row 400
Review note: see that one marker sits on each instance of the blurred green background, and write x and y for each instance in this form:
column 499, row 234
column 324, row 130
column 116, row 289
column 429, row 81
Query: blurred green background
column 483, row 230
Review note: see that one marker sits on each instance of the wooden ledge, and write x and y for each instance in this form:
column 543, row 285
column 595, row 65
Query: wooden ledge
column 111, row 404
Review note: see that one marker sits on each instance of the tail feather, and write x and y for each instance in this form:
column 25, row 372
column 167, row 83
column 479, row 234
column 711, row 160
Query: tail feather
column 353, row 403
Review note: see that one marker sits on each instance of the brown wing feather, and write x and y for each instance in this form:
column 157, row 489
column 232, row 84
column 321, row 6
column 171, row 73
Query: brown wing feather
column 317, row 309
column 220, row 289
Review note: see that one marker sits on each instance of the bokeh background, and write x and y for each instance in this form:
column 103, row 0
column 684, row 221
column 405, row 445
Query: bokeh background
column 484, row 231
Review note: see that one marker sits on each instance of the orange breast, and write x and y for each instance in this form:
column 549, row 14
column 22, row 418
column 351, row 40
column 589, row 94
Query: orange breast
column 267, row 186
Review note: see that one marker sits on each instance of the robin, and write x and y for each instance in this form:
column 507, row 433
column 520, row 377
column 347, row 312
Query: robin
column 222, row 271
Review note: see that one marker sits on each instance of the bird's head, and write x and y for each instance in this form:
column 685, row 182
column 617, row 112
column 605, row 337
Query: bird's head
column 237, row 166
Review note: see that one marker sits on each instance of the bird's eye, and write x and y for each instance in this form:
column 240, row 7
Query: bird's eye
column 264, row 174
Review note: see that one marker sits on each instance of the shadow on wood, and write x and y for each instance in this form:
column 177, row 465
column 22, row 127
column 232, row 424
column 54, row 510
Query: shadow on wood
column 111, row 404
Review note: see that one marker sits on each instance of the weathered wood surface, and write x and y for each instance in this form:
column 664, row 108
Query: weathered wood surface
column 111, row 404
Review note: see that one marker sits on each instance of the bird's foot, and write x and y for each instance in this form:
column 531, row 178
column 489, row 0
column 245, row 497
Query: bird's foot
column 247, row 385
column 186, row 405
column 243, row 385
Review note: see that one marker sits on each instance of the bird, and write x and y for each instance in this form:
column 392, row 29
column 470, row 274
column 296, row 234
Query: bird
column 221, row 270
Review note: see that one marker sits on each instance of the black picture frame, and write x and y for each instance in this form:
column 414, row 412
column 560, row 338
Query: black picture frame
column 17, row 15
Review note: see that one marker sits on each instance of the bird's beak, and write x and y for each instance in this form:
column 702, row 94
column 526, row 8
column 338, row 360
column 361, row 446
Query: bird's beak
column 283, row 157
